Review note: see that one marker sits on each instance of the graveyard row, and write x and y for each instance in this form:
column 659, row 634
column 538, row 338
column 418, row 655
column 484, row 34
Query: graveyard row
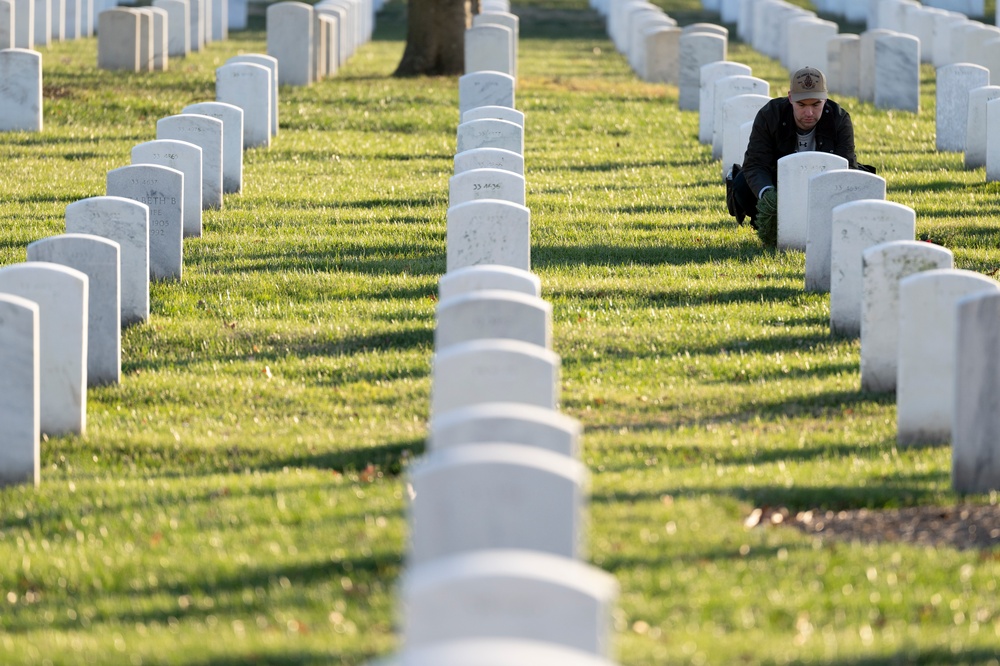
column 494, row 567
column 902, row 298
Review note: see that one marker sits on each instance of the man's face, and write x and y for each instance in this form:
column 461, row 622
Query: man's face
column 807, row 113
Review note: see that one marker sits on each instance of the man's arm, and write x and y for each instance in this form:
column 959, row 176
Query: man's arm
column 762, row 154
column 845, row 139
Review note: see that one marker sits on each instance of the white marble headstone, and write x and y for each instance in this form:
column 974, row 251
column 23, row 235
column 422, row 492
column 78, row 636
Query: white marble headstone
column 247, row 86
column 735, row 112
column 494, row 112
column 976, row 136
column 162, row 190
column 118, row 42
column 826, row 191
column 710, row 73
column 232, row 141
column 125, row 222
column 61, row 294
column 661, row 56
column 485, row 89
column 99, row 259
column 489, row 158
column 20, row 400
column 490, row 133
column 178, row 16
column 495, row 495
column 954, row 82
column 486, row 276
column 489, row 48
column 207, row 134
column 882, row 267
column 20, row 90
column 858, row 225
column 897, row 72
column 493, row 314
column 509, row 594
column 925, row 391
column 488, row 231
column 696, row 49
column 975, row 429
column 290, row 40
column 794, row 172
column 477, row 184
column 726, row 88
column 506, row 422
column 272, row 65
column 186, row 158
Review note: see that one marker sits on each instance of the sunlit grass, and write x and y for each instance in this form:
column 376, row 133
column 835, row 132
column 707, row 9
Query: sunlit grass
column 239, row 498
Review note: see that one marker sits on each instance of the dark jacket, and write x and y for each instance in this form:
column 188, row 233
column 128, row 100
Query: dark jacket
column 773, row 137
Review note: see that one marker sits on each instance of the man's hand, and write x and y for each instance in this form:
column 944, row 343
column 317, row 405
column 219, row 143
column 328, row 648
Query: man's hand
column 767, row 218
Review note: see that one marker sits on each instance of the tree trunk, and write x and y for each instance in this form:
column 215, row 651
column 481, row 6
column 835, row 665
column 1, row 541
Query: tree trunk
column 435, row 38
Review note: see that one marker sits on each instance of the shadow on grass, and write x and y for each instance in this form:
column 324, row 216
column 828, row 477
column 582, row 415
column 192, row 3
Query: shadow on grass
column 913, row 657
column 559, row 256
column 402, row 260
column 888, row 493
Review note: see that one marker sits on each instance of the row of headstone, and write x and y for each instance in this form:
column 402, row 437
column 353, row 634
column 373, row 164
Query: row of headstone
column 881, row 66
column 312, row 42
column 729, row 99
column 494, row 563
column 491, row 43
column 29, row 24
column 20, row 90
column 62, row 312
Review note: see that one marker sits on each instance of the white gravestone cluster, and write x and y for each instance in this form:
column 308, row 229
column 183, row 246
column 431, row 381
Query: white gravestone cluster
column 62, row 311
column 143, row 38
column 495, row 571
column 312, row 42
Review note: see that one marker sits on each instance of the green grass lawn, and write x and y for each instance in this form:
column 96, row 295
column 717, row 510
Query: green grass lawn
column 239, row 498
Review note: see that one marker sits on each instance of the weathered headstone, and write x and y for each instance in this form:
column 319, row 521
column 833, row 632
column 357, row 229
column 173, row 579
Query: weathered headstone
column 178, row 17
column 735, row 112
column 488, row 276
column 272, row 65
column 493, row 314
column 794, row 172
column 220, row 20
column 954, row 82
column 925, row 391
column 43, row 22
column 206, row 133
column 162, row 190
column 858, row 225
column 6, row 24
column 488, row 231
column 247, row 86
column 61, row 295
column 186, row 158
column 866, row 72
column 976, row 136
column 118, row 41
column 726, row 88
column 710, row 73
column 24, row 24
column 478, row 184
column 662, row 54
column 897, row 72
column 491, row 496
column 196, row 27
column 843, row 62
column 506, row 422
column 232, row 142
column 696, row 49
column 489, row 158
column 975, row 429
column 494, row 112
column 485, row 89
column 290, row 40
column 20, row 401
column 20, row 90
column 490, row 133
column 159, row 38
column 883, row 266
column 806, row 42
column 99, row 259
column 489, row 48
column 478, row 371
column 509, row 594
column 126, row 222
column 826, row 191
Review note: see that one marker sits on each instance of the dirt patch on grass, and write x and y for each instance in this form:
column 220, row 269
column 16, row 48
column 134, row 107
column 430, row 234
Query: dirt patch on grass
column 964, row 526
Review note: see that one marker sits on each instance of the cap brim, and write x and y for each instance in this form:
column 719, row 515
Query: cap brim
column 798, row 97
